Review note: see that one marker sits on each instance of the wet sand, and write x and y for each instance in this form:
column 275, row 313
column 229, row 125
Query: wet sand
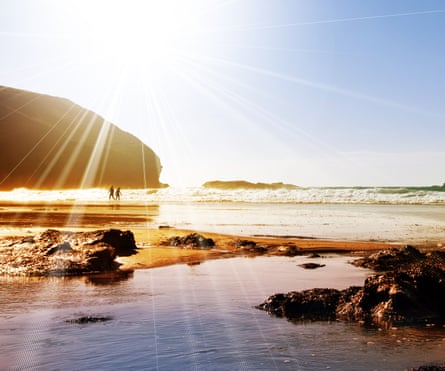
column 155, row 254
column 21, row 219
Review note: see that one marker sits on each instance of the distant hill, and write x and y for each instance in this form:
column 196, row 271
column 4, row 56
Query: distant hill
column 48, row 142
column 242, row 184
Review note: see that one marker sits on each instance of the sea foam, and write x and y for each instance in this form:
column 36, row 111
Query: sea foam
column 312, row 195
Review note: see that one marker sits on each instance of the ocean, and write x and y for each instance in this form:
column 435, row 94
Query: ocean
column 433, row 195
column 394, row 214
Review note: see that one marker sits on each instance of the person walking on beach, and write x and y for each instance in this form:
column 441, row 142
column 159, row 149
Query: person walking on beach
column 111, row 193
column 117, row 194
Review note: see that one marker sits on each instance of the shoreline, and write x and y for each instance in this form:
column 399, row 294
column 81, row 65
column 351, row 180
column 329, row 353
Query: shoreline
column 153, row 253
column 167, row 246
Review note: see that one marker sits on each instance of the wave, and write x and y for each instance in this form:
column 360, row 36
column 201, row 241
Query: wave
column 242, row 184
column 434, row 195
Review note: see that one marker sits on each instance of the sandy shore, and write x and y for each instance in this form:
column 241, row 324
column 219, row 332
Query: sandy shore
column 22, row 218
column 154, row 253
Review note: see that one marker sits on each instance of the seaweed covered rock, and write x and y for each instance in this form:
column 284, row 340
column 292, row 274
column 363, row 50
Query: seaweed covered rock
column 314, row 304
column 412, row 292
column 64, row 253
column 390, row 259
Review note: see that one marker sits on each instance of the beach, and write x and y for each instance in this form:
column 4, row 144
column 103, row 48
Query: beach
column 153, row 224
column 194, row 308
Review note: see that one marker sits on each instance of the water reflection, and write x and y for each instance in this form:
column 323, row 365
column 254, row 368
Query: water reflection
column 76, row 215
column 197, row 317
column 108, row 278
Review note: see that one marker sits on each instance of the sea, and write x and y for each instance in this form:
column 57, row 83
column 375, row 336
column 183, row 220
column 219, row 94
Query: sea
column 203, row 316
column 393, row 214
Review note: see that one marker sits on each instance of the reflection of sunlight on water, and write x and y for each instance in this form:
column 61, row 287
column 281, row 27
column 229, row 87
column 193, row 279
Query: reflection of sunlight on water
column 197, row 317
column 23, row 195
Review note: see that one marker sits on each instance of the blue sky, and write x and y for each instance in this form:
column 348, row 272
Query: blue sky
column 310, row 92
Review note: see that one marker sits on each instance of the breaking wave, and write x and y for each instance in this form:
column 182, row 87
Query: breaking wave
column 434, row 195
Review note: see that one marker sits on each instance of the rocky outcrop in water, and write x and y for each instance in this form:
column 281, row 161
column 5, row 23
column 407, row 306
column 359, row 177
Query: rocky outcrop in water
column 58, row 253
column 89, row 319
column 311, row 265
column 411, row 290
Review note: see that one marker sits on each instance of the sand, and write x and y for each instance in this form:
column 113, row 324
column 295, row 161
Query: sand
column 154, row 253
column 22, row 219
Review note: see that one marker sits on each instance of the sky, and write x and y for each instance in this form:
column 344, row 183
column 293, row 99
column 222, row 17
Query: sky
column 308, row 92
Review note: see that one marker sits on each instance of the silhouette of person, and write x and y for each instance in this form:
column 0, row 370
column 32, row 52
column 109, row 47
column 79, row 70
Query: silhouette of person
column 117, row 194
column 111, row 193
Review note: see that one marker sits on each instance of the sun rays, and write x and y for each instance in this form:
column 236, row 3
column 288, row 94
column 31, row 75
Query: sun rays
column 172, row 72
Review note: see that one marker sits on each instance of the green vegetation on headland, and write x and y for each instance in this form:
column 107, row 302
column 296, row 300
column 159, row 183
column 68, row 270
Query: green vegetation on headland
column 242, row 184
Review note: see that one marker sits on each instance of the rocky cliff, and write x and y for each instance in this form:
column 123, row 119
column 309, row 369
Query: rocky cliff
column 48, row 142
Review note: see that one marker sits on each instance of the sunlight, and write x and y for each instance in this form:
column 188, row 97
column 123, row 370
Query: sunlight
column 146, row 35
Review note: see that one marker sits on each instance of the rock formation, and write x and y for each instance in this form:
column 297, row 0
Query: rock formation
column 51, row 143
column 410, row 290
column 192, row 240
column 57, row 253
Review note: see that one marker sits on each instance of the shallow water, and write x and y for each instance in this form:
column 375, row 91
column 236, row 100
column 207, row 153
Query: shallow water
column 396, row 223
column 197, row 317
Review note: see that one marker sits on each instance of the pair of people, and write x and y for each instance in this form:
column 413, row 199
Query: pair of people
column 114, row 194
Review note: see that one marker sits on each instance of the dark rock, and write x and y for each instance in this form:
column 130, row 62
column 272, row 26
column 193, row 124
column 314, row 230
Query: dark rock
column 258, row 249
column 314, row 255
column 102, row 259
column 61, row 248
column 193, row 240
column 412, row 292
column 290, row 250
column 245, row 243
column 89, row 319
column 390, row 259
column 122, row 241
column 250, row 246
column 61, row 253
column 314, row 304
column 311, row 265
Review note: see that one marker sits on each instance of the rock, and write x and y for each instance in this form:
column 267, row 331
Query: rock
column 428, row 368
column 89, row 319
column 62, row 248
column 388, row 259
column 40, row 133
column 250, row 246
column 165, row 227
column 311, row 265
column 289, row 250
column 314, row 304
column 412, row 292
column 60, row 253
column 192, row 240
column 245, row 243
column 122, row 241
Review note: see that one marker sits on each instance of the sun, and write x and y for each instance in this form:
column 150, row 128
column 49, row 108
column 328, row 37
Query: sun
column 140, row 34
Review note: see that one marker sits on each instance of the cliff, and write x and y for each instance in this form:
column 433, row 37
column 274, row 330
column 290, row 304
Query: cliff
column 48, row 142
